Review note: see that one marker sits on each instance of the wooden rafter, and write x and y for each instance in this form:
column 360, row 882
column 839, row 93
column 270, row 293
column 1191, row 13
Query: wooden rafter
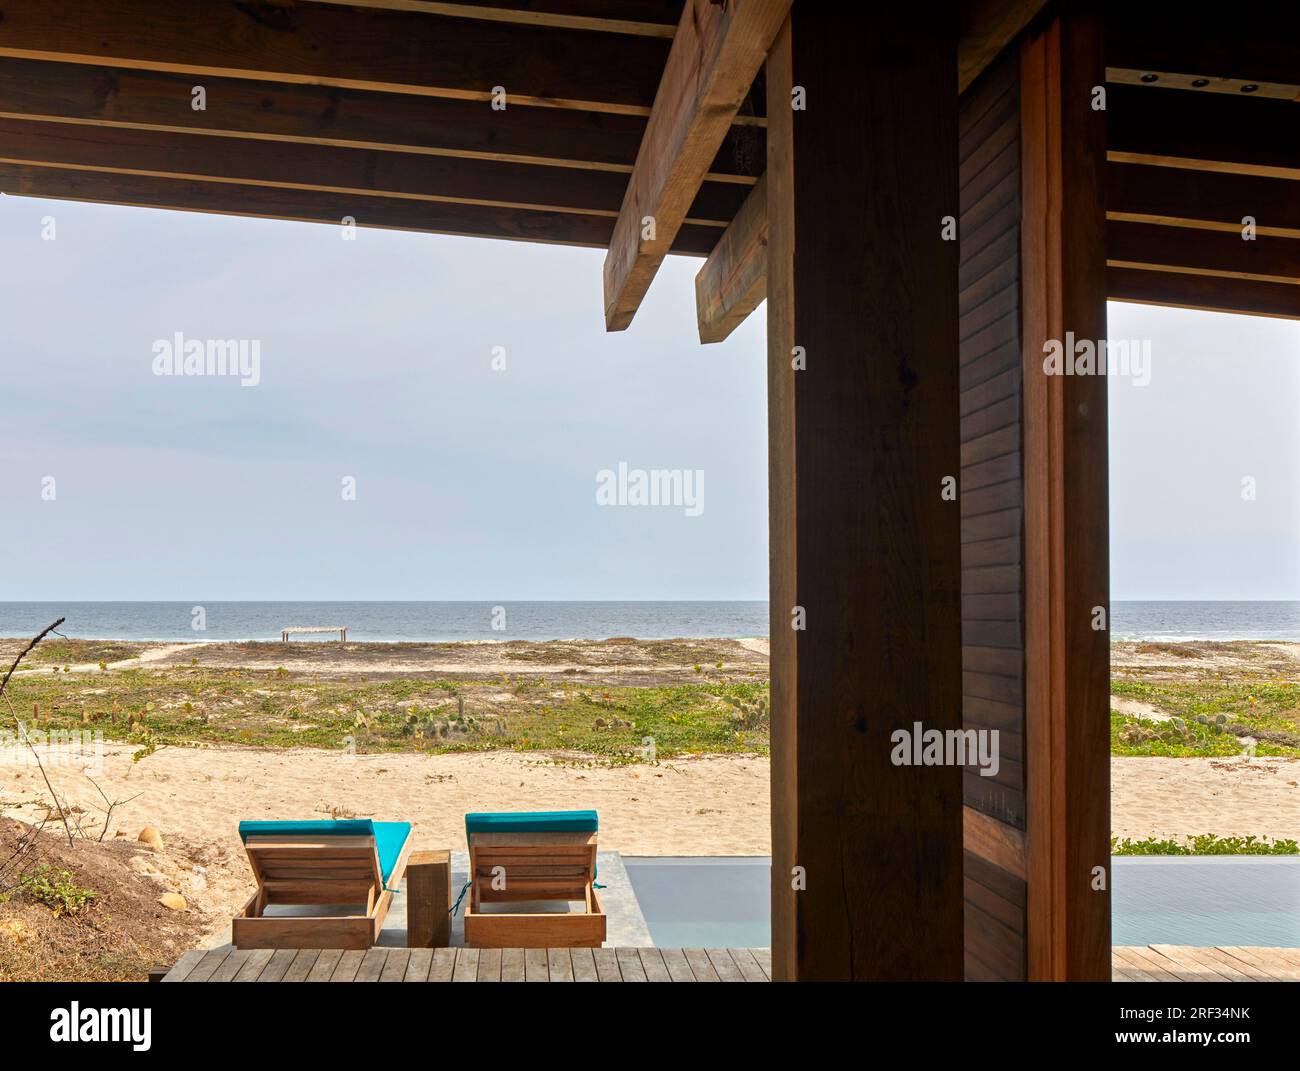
column 334, row 169
column 733, row 281
column 1185, row 250
column 715, row 55
column 270, row 202
column 352, row 47
column 1202, row 200
column 1203, row 131
column 644, row 18
column 350, row 118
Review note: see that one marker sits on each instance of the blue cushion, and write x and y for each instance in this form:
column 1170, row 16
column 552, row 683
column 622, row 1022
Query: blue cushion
column 389, row 836
column 532, row 822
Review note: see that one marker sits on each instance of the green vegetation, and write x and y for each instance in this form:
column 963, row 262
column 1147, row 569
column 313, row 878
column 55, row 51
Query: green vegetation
column 1205, row 844
column 55, row 652
column 152, row 708
column 1207, row 717
column 56, row 890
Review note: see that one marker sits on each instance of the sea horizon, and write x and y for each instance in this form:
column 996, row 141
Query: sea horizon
column 428, row 621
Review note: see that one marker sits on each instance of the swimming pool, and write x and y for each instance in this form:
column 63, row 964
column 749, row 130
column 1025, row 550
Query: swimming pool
column 1206, row 900
column 1201, row 900
column 714, row 902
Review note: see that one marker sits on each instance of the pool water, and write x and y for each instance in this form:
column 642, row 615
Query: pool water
column 716, row 902
column 1206, row 900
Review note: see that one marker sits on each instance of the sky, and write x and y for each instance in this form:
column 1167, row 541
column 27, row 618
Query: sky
column 434, row 417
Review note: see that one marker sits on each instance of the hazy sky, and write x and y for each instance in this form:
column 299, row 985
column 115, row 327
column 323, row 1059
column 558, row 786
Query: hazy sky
column 376, row 363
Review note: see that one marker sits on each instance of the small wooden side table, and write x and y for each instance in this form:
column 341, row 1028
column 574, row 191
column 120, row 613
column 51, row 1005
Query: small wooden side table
column 428, row 900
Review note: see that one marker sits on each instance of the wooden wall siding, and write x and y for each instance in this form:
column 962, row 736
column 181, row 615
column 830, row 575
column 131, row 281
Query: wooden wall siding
column 992, row 501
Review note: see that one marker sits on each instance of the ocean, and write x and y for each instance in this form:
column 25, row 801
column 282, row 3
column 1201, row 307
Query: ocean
column 415, row 622
column 388, row 622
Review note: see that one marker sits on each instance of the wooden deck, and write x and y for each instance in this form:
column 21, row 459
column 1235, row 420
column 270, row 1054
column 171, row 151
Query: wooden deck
column 1151, row 963
column 1183, row 963
column 475, row 965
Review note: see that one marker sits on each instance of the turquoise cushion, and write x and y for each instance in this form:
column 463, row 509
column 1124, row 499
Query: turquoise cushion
column 532, row 822
column 389, row 836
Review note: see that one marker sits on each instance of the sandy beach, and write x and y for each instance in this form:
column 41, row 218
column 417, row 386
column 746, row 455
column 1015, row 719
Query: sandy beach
column 195, row 792
column 699, row 806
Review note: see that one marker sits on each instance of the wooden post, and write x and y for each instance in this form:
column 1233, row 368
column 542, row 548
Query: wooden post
column 863, row 434
column 428, row 900
column 1067, row 639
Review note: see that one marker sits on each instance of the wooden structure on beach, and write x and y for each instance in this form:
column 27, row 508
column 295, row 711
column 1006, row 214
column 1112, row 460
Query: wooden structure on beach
column 926, row 195
column 285, row 633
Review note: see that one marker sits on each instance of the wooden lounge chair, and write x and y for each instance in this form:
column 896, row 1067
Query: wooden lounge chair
column 533, row 856
column 341, row 863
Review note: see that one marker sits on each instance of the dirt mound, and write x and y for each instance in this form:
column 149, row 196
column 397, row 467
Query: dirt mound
column 51, row 928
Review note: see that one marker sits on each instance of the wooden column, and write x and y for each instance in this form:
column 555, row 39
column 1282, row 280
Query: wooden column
column 1067, row 642
column 860, row 442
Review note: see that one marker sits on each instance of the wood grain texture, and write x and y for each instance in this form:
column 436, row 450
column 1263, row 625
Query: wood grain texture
column 329, row 115
column 360, row 48
column 1066, row 507
column 733, row 281
column 270, row 202
column 859, row 444
column 1213, row 293
column 992, row 488
column 716, row 53
column 335, row 169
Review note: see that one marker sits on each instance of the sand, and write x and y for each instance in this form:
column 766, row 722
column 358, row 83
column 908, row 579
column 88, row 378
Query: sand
column 197, row 796
column 702, row 806
column 1160, row 797
column 698, row 806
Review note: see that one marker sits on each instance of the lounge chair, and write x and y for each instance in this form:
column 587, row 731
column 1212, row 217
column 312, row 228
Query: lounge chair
column 529, row 857
column 342, row 863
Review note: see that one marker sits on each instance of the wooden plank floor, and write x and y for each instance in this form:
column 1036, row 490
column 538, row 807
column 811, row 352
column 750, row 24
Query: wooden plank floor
column 1149, row 963
column 475, row 965
column 1183, row 963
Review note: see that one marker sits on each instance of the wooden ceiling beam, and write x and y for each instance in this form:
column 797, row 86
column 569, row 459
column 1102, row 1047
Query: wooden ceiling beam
column 644, row 18
column 349, row 47
column 326, row 115
column 1258, row 44
column 1210, row 293
column 733, row 281
column 1205, row 200
column 715, row 56
column 1207, row 132
column 269, row 202
column 987, row 27
column 1200, row 252
column 328, row 168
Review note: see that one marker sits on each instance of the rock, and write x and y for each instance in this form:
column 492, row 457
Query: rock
column 173, row 901
column 150, row 837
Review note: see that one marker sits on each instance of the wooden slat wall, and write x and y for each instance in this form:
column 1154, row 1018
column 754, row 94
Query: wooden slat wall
column 992, row 509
